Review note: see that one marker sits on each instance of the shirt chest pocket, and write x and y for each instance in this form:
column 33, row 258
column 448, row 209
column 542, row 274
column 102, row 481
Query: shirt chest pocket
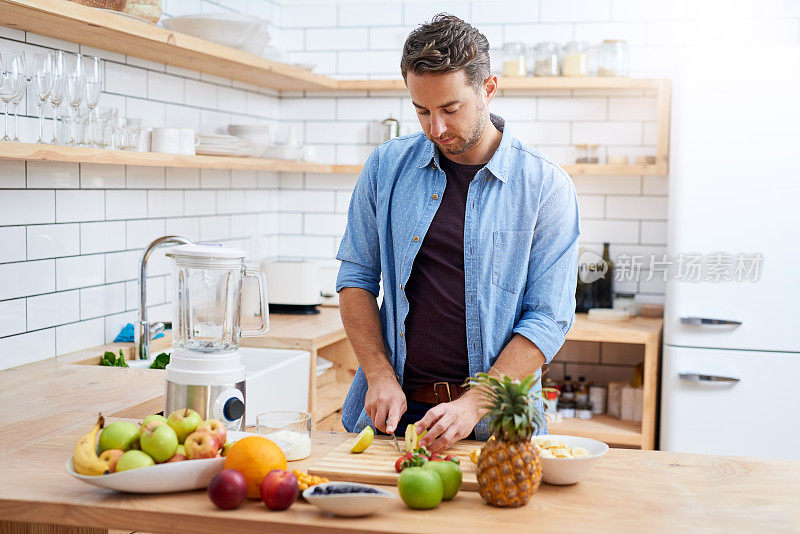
column 511, row 251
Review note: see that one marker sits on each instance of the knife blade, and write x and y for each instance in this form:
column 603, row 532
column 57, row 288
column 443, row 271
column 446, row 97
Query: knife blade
column 397, row 444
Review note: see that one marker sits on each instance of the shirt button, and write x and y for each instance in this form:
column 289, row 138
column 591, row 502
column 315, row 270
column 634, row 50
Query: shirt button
column 434, row 196
column 401, row 286
column 416, row 238
column 489, row 179
column 401, row 334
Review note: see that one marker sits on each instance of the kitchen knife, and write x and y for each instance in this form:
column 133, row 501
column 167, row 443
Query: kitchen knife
column 397, row 444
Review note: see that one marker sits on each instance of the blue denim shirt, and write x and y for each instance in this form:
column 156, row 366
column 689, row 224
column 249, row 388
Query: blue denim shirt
column 520, row 250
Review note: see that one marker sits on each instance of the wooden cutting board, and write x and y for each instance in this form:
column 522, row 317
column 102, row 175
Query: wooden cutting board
column 376, row 464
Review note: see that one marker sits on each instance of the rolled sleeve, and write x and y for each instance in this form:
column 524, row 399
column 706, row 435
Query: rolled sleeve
column 359, row 251
column 548, row 308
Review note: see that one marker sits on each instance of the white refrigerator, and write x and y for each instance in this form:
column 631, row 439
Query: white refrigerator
column 731, row 360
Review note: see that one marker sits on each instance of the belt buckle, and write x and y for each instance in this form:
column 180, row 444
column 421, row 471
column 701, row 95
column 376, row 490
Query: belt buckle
column 436, row 391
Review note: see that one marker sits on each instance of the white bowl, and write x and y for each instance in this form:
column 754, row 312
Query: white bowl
column 229, row 29
column 565, row 471
column 349, row 504
column 166, row 478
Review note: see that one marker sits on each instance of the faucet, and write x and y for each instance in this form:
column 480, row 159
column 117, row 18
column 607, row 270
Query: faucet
column 144, row 330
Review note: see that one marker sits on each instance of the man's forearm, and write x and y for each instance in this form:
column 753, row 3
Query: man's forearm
column 362, row 323
column 520, row 358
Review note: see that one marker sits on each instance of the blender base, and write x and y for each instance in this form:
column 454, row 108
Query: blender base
column 208, row 401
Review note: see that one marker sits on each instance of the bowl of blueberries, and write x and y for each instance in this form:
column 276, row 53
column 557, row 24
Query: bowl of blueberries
column 349, row 499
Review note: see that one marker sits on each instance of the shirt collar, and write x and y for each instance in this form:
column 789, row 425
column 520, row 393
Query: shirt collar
column 498, row 164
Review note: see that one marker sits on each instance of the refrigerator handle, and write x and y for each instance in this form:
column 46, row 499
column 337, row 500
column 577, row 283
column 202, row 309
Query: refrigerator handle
column 703, row 321
column 695, row 377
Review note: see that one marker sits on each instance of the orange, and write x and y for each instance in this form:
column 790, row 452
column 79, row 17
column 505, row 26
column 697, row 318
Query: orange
column 254, row 457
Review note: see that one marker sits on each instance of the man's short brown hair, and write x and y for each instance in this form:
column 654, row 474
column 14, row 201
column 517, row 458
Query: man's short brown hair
column 447, row 44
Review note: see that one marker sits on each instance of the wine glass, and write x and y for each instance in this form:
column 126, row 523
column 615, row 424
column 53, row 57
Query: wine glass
column 11, row 78
column 42, row 77
column 58, row 90
column 17, row 98
column 93, row 75
column 75, row 90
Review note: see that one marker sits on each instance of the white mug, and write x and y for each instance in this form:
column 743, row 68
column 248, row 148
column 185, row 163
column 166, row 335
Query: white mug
column 174, row 141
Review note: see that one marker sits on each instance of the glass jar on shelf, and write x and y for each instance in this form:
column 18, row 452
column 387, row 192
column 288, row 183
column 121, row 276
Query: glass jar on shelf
column 613, row 59
column 573, row 59
column 543, row 60
column 514, row 60
column 587, row 154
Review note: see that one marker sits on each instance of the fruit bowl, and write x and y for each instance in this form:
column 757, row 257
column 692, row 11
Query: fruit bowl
column 349, row 504
column 168, row 477
column 566, row 471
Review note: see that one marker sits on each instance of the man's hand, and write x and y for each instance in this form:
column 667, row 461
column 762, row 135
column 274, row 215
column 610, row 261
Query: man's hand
column 449, row 422
column 385, row 403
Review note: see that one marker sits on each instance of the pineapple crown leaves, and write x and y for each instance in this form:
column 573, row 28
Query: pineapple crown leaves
column 513, row 414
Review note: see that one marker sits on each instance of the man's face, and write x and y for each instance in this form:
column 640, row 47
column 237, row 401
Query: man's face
column 451, row 113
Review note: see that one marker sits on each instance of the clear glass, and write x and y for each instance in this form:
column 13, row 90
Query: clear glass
column 18, row 96
column 12, row 81
column 587, row 153
column 613, row 59
column 103, row 127
column 75, row 81
column 93, row 76
column 42, row 77
column 514, row 60
column 57, row 91
column 545, row 60
column 133, row 128
column 294, row 428
column 573, row 59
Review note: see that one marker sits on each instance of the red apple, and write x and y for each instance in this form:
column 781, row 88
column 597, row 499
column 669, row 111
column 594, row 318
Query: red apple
column 184, row 422
column 279, row 489
column 111, row 456
column 177, row 457
column 228, row 489
column 200, row 445
column 216, row 429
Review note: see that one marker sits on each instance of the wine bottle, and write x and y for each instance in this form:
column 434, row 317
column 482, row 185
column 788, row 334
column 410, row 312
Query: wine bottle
column 603, row 288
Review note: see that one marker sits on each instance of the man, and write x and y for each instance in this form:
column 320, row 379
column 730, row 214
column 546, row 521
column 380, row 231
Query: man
column 474, row 236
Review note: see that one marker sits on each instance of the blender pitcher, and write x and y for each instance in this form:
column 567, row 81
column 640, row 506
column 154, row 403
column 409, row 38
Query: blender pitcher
column 207, row 298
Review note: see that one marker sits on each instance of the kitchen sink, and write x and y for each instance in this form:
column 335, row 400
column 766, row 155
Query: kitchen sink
column 275, row 379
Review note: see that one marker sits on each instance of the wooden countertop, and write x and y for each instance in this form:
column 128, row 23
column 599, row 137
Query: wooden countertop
column 307, row 332
column 48, row 405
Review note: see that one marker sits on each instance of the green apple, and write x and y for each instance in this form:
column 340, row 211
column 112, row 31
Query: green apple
column 118, row 435
column 184, row 422
column 420, row 488
column 151, row 418
column 159, row 441
column 134, row 460
column 181, row 449
column 450, row 473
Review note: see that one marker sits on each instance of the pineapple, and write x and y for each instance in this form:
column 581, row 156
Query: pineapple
column 509, row 468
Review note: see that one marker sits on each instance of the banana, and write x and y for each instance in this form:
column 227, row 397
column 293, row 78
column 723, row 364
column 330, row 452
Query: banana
column 84, row 458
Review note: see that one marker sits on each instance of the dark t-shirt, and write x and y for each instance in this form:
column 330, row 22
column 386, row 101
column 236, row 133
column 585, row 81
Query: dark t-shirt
column 435, row 328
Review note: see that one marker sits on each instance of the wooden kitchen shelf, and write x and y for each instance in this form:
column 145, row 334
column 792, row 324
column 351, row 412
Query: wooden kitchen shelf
column 601, row 427
column 77, row 154
column 550, row 83
column 118, row 33
column 638, row 331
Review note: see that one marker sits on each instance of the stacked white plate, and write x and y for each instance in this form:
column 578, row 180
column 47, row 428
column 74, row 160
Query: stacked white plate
column 222, row 145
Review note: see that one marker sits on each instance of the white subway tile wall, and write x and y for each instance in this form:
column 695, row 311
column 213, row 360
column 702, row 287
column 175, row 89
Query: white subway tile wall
column 71, row 236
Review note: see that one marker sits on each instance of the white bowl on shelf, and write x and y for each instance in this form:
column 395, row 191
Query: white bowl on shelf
column 566, row 471
column 230, row 29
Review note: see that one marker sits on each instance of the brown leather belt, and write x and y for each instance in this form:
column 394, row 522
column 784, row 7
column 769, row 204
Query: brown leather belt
column 437, row 393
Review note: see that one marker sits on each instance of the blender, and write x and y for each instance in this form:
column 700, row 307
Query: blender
column 205, row 372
